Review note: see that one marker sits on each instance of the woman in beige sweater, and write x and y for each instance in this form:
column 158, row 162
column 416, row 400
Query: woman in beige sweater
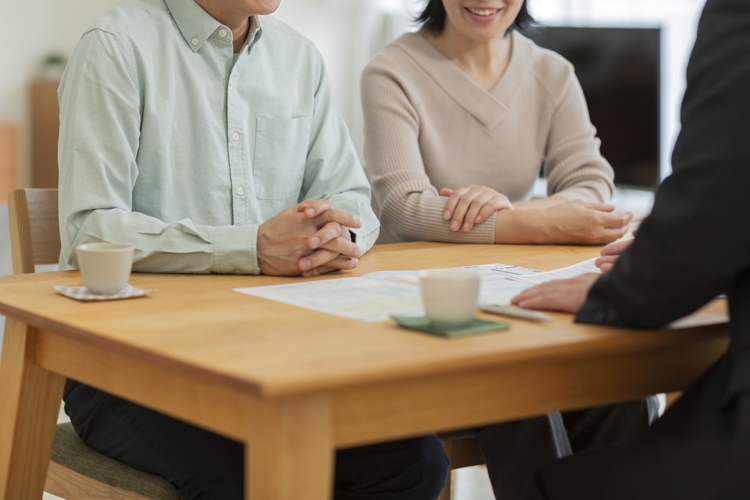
column 460, row 118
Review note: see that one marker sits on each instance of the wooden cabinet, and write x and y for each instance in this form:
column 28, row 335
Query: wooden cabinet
column 8, row 160
column 45, row 127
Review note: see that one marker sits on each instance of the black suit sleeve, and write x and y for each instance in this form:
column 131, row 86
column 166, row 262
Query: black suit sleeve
column 696, row 242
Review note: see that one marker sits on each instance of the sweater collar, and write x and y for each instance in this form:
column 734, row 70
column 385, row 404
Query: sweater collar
column 489, row 108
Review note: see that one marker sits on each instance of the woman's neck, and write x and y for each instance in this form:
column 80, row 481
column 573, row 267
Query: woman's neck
column 484, row 62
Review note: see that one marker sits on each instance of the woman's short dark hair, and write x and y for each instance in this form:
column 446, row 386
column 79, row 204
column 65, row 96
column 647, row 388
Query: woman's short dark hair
column 433, row 17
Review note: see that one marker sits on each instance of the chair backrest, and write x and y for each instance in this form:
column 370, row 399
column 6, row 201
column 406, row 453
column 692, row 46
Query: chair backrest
column 34, row 228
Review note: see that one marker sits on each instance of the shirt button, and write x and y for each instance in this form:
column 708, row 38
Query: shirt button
column 240, row 191
column 236, row 136
column 222, row 33
column 195, row 41
column 231, row 82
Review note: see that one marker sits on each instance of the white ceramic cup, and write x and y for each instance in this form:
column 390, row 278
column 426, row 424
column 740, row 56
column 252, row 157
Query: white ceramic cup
column 450, row 296
column 105, row 267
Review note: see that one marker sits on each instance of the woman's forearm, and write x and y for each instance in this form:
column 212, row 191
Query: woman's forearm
column 572, row 222
column 539, row 204
column 519, row 227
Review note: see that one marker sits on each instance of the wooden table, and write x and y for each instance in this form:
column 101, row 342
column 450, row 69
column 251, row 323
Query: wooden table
column 294, row 384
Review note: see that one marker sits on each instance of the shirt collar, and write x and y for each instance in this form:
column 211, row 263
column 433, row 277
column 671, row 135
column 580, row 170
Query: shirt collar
column 194, row 22
column 196, row 25
column 254, row 33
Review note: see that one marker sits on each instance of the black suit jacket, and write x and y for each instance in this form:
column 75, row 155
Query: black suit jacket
column 695, row 244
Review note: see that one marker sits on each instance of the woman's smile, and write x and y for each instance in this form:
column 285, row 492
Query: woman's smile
column 483, row 14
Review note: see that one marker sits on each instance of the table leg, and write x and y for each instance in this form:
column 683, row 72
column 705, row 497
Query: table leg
column 290, row 454
column 29, row 404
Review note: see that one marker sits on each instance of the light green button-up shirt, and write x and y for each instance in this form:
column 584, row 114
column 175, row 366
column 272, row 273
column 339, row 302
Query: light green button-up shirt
column 169, row 144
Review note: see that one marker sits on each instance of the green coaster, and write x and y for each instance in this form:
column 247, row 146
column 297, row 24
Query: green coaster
column 422, row 324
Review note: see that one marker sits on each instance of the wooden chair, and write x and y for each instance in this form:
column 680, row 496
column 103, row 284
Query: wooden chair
column 76, row 472
column 463, row 451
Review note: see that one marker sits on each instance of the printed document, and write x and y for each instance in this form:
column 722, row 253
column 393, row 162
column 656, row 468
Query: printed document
column 376, row 296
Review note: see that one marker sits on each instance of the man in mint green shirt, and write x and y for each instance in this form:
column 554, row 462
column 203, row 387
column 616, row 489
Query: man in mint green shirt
column 189, row 143
column 205, row 136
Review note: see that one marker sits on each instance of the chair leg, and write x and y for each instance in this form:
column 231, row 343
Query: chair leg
column 447, row 493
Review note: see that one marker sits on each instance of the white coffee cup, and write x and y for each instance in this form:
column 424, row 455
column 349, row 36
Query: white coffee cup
column 450, row 296
column 105, row 267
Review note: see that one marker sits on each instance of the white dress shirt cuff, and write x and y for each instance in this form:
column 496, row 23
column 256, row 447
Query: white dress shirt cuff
column 235, row 250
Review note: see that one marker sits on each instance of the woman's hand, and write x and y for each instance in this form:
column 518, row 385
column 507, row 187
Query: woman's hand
column 471, row 205
column 579, row 222
column 611, row 253
column 560, row 295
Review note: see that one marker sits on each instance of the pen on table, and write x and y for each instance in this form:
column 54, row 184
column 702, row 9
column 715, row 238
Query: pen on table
column 514, row 312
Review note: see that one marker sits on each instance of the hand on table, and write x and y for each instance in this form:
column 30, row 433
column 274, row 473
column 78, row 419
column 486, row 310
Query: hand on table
column 310, row 238
column 580, row 222
column 540, row 203
column 560, row 295
column 471, row 205
column 611, row 253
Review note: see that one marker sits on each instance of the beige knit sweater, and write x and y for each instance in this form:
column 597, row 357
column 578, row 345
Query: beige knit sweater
column 429, row 126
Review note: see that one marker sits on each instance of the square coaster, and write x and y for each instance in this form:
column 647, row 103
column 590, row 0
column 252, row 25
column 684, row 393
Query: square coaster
column 84, row 294
column 422, row 324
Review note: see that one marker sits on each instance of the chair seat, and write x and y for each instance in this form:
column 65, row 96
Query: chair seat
column 71, row 452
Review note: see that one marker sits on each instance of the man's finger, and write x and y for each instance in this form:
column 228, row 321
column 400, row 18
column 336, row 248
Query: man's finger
column 615, row 248
column 526, row 295
column 606, row 267
column 337, row 264
column 562, row 295
column 343, row 245
column 330, row 231
column 608, row 261
column 316, row 259
column 313, row 208
column 344, row 218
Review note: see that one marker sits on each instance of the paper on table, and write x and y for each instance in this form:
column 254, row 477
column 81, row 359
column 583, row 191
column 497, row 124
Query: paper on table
column 362, row 298
column 587, row 266
column 377, row 296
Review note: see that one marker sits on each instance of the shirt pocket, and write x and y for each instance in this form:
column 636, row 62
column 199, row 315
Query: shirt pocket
column 280, row 157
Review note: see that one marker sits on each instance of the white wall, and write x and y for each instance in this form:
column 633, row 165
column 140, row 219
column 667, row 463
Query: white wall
column 347, row 33
column 29, row 31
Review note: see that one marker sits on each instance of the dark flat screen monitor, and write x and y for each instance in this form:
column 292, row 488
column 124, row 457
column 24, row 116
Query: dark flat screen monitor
column 619, row 72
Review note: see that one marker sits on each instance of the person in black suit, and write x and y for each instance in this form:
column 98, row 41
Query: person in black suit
column 694, row 246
